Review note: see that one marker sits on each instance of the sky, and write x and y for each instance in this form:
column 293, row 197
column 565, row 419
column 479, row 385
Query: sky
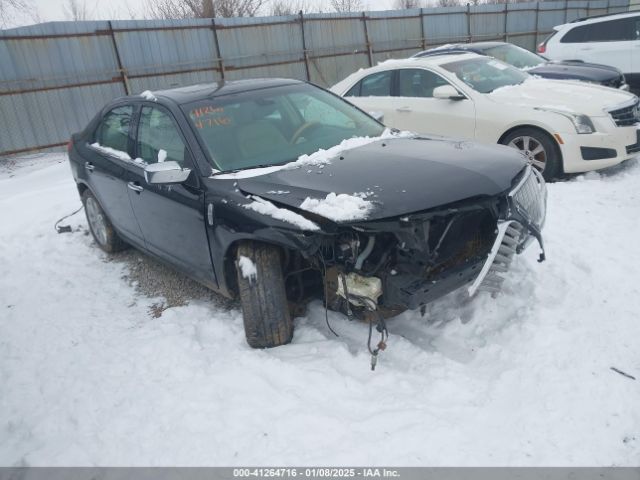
column 51, row 10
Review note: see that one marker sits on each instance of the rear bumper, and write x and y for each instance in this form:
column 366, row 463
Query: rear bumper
column 583, row 153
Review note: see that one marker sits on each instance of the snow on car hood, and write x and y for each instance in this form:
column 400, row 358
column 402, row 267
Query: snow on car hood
column 562, row 95
column 396, row 176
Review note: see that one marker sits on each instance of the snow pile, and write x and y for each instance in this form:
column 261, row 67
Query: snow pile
column 89, row 377
column 316, row 159
column 265, row 207
column 148, row 95
column 247, row 268
column 339, row 208
column 111, row 151
column 162, row 155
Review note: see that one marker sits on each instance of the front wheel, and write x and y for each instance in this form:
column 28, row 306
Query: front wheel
column 101, row 227
column 267, row 321
column 539, row 148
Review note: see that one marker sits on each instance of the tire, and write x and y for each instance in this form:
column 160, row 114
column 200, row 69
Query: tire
column 267, row 321
column 548, row 158
column 100, row 226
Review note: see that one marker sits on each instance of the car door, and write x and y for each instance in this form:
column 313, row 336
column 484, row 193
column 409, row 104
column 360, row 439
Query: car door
column 106, row 160
column 418, row 111
column 172, row 217
column 373, row 95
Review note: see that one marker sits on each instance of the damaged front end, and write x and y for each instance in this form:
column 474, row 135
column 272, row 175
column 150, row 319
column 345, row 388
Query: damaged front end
column 388, row 266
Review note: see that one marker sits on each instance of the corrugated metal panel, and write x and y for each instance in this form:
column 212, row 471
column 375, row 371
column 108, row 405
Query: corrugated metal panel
column 446, row 25
column 520, row 20
column 51, row 60
column 163, row 47
column 258, row 42
column 44, row 118
column 394, row 30
column 328, row 35
column 487, row 22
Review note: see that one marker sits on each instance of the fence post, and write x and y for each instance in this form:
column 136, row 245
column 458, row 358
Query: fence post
column 366, row 39
column 422, row 32
column 537, row 37
column 469, row 36
column 566, row 10
column 123, row 74
column 305, row 54
column 218, row 54
column 506, row 16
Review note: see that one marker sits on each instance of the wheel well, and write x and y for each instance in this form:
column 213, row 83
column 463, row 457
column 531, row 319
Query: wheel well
column 545, row 133
column 231, row 279
column 81, row 188
column 533, row 127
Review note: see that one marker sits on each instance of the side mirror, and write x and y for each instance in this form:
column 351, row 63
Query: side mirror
column 379, row 116
column 447, row 92
column 165, row 173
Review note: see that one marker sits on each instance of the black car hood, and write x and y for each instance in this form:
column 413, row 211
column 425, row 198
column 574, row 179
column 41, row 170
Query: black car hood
column 576, row 70
column 400, row 176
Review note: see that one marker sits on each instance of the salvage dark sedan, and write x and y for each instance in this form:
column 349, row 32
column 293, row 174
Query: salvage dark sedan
column 278, row 192
column 537, row 64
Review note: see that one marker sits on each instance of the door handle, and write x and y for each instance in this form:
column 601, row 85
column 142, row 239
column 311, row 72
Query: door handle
column 403, row 109
column 135, row 187
column 584, row 49
column 88, row 166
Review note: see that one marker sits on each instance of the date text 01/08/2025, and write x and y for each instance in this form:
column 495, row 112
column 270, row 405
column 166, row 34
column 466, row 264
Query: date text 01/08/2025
column 292, row 472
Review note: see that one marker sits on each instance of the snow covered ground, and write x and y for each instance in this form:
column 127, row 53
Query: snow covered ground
column 89, row 377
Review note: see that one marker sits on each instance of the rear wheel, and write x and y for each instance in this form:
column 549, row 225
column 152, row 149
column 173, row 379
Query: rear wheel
column 267, row 321
column 539, row 148
column 101, row 227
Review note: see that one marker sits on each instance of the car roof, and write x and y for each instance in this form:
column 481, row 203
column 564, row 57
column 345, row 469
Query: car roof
column 459, row 47
column 429, row 60
column 596, row 19
column 192, row 93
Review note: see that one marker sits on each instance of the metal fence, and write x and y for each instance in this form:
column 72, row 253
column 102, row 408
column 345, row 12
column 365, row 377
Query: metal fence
column 55, row 76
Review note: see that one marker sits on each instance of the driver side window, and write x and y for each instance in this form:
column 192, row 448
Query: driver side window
column 158, row 137
column 415, row 82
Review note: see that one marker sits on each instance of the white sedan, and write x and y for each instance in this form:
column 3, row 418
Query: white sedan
column 561, row 126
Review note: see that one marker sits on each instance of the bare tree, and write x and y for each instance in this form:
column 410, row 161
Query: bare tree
column 77, row 10
column 10, row 8
column 449, row 3
column 203, row 8
column 347, row 5
column 288, row 7
column 406, row 4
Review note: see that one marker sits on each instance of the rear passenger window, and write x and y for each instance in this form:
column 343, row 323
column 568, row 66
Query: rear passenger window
column 158, row 137
column 113, row 131
column 620, row 30
column 376, row 85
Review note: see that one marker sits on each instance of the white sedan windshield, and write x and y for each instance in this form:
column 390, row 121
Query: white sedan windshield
column 486, row 74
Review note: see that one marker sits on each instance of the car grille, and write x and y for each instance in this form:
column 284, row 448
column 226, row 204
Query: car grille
column 530, row 196
column 626, row 116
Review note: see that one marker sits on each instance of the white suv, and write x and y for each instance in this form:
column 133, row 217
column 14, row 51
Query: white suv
column 610, row 39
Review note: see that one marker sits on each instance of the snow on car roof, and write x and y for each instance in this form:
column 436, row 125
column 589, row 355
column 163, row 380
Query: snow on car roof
column 435, row 60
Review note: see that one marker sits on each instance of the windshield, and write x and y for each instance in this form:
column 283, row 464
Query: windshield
column 486, row 74
column 516, row 56
column 275, row 125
